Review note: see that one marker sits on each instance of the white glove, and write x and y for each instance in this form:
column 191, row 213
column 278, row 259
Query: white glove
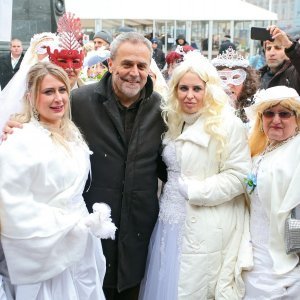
column 100, row 222
column 183, row 188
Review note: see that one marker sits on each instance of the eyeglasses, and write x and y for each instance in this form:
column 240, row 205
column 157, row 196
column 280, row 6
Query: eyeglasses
column 269, row 114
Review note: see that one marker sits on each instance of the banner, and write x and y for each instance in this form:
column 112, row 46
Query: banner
column 5, row 20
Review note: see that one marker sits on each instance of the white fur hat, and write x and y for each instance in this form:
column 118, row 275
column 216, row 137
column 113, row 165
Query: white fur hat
column 276, row 93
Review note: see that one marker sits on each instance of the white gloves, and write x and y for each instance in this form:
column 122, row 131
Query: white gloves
column 99, row 222
column 183, row 188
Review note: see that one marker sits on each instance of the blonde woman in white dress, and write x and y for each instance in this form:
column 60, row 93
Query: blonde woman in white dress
column 50, row 241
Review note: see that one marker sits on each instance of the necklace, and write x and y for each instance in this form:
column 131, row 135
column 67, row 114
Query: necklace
column 271, row 147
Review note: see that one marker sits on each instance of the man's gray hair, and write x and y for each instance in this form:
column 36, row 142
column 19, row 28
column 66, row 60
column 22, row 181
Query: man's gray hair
column 132, row 37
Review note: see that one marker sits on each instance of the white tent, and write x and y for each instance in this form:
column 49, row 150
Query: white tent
column 169, row 10
column 137, row 12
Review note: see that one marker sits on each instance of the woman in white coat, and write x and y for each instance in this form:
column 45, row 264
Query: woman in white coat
column 201, row 241
column 274, row 190
column 49, row 239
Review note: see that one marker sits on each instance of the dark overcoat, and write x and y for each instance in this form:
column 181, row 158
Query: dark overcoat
column 6, row 70
column 124, row 178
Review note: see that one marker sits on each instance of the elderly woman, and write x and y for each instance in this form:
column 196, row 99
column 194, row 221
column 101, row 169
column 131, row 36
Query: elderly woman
column 274, row 189
column 196, row 242
column 49, row 239
column 239, row 80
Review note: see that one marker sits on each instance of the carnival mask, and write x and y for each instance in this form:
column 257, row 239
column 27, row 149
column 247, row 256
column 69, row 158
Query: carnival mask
column 235, row 77
column 67, row 59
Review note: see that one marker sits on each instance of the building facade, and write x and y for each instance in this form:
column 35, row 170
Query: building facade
column 288, row 12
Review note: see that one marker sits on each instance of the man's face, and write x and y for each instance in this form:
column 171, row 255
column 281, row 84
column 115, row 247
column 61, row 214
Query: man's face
column 275, row 55
column 98, row 43
column 16, row 48
column 130, row 69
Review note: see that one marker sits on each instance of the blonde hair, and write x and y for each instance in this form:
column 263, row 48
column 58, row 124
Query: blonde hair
column 67, row 131
column 258, row 140
column 213, row 103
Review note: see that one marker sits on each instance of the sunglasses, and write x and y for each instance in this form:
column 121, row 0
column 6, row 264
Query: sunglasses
column 269, row 114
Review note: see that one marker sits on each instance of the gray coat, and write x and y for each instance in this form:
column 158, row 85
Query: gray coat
column 126, row 179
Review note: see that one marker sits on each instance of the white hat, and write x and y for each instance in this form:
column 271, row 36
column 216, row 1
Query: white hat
column 279, row 93
column 276, row 93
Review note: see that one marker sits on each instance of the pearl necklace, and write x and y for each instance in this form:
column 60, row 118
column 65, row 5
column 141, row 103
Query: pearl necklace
column 271, row 147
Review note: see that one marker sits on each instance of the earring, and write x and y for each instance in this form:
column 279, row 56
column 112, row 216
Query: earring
column 261, row 128
column 35, row 114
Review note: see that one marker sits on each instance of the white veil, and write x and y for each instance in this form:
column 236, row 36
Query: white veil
column 11, row 97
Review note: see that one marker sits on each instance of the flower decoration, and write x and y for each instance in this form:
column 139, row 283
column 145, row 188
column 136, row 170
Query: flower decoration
column 251, row 183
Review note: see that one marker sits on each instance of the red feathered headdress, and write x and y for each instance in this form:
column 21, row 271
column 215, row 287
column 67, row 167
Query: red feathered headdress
column 70, row 54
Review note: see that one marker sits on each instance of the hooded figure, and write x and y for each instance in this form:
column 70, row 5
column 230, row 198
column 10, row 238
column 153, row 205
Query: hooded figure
column 181, row 41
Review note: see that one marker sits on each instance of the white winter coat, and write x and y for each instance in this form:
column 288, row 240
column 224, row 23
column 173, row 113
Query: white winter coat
column 278, row 182
column 215, row 244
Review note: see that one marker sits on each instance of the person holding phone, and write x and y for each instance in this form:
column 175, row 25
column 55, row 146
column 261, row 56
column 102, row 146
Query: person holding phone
column 282, row 61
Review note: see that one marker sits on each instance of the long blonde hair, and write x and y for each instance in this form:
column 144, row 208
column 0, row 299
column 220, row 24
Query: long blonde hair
column 67, row 131
column 213, row 104
column 258, row 140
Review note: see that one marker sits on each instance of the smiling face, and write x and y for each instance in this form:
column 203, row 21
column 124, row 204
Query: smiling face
column 52, row 101
column 190, row 93
column 279, row 128
column 130, row 69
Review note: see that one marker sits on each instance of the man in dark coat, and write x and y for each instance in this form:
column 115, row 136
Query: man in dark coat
column 158, row 55
column 226, row 44
column 121, row 120
column 10, row 63
column 282, row 61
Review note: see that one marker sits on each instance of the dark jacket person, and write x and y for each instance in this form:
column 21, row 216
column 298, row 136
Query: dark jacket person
column 121, row 120
column 10, row 63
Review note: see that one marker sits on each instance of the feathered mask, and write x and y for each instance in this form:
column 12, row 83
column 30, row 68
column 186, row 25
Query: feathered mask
column 69, row 55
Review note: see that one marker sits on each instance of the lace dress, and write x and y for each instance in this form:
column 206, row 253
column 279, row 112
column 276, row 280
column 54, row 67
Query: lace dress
column 262, row 283
column 162, row 270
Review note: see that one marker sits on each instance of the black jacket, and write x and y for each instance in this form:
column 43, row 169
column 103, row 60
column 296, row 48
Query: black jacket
column 225, row 45
column 159, row 57
column 6, row 70
column 289, row 72
column 125, row 179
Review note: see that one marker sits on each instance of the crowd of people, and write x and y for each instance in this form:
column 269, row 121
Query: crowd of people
column 82, row 155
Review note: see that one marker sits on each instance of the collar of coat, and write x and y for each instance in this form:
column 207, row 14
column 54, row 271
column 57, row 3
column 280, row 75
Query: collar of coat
column 104, row 86
column 196, row 134
column 284, row 65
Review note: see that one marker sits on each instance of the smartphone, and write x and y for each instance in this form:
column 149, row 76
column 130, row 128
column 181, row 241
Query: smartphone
column 261, row 34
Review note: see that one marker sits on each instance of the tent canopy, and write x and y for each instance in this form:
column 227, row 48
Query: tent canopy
column 190, row 10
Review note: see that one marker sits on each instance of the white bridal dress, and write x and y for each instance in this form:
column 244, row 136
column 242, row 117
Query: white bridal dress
column 50, row 254
column 162, row 270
